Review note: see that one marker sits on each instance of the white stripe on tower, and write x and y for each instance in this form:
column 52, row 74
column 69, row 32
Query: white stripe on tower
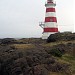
column 49, row 6
column 50, row 14
column 50, row 26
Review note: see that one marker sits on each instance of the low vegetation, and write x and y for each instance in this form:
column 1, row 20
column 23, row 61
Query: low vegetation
column 34, row 56
column 56, row 52
column 22, row 46
column 66, row 36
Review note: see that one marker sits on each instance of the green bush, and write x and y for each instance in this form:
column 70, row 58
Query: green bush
column 66, row 36
column 56, row 52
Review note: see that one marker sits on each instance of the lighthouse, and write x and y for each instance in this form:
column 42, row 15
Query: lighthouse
column 50, row 24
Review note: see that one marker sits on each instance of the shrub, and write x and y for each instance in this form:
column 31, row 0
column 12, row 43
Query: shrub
column 7, row 41
column 56, row 52
column 54, row 37
column 66, row 36
column 51, row 38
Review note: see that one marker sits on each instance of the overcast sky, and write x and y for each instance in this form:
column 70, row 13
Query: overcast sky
column 20, row 18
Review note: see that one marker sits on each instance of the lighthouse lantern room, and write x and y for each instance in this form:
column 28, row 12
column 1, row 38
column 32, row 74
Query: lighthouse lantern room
column 50, row 24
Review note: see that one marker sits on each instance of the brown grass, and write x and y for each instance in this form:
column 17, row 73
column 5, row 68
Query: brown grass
column 56, row 73
column 23, row 46
column 68, row 59
column 57, row 43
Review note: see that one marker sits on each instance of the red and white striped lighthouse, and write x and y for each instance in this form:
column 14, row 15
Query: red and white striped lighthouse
column 50, row 25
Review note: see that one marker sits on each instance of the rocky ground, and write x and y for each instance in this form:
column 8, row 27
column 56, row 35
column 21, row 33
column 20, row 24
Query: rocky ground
column 34, row 56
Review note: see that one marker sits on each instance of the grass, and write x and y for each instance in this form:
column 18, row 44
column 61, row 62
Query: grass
column 69, row 59
column 57, row 73
column 29, row 40
column 57, row 43
column 66, row 59
column 23, row 46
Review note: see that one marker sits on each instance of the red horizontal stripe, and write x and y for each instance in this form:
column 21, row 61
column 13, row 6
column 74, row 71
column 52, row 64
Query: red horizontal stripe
column 50, row 29
column 49, row 2
column 50, row 9
column 50, row 19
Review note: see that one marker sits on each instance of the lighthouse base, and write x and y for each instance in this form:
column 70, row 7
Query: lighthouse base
column 47, row 34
